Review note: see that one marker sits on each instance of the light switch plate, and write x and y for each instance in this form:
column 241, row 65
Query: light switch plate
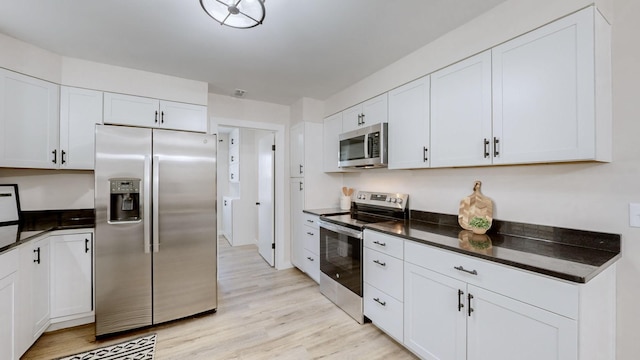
column 634, row 215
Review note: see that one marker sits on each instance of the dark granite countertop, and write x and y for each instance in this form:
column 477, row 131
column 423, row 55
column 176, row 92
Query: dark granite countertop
column 326, row 212
column 35, row 223
column 567, row 254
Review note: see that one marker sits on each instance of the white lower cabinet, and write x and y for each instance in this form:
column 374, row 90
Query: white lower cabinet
column 311, row 236
column 383, row 282
column 71, row 275
column 455, row 306
column 8, row 300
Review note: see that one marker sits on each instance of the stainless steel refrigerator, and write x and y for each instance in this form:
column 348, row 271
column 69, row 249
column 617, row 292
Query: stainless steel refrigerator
column 155, row 236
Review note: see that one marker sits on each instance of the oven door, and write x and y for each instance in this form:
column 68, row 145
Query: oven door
column 341, row 255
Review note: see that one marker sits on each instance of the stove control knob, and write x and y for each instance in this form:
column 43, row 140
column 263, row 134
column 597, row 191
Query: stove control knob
column 399, row 201
column 394, row 200
column 388, row 199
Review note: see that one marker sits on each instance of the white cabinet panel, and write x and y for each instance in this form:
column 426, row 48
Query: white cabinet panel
column 409, row 139
column 234, row 154
column 530, row 332
column 8, row 279
column 146, row 112
column 544, row 93
column 331, row 149
column 312, row 265
column 71, row 274
column 29, row 113
column 384, row 272
column 296, row 136
column 384, row 311
column 370, row 112
column 131, row 110
column 434, row 324
column 461, row 113
column 40, row 287
column 297, row 225
column 80, row 111
column 181, row 116
column 234, row 173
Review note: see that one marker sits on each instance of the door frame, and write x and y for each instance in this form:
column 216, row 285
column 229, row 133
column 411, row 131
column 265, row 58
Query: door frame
column 279, row 196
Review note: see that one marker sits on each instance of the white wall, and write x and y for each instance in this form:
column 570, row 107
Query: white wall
column 39, row 190
column 589, row 196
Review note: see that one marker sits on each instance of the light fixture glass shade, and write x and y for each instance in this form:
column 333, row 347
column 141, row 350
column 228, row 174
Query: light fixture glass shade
column 240, row 14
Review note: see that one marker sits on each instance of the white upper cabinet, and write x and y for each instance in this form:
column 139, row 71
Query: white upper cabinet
column 80, row 111
column 28, row 121
column 296, row 136
column 181, row 116
column 331, row 149
column 409, row 125
column 370, row 112
column 546, row 95
column 461, row 113
column 146, row 112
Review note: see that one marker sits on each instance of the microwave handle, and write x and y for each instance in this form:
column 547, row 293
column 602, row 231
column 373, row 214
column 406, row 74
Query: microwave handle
column 366, row 146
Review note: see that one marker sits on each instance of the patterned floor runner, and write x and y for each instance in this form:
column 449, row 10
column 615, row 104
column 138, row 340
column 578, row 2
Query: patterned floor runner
column 142, row 348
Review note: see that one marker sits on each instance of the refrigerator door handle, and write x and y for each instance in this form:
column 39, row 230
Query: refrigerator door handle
column 147, row 204
column 156, row 203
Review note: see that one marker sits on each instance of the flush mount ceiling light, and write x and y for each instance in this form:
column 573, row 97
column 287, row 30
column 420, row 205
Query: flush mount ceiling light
column 241, row 14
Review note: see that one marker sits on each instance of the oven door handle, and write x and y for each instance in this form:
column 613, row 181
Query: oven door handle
column 340, row 229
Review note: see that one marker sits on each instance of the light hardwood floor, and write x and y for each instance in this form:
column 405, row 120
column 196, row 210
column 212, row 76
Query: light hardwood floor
column 262, row 314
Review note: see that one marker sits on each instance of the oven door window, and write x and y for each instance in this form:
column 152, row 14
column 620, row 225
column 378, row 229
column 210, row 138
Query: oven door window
column 341, row 259
column 352, row 148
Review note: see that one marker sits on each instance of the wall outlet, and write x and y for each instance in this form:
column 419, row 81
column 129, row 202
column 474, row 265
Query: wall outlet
column 634, row 215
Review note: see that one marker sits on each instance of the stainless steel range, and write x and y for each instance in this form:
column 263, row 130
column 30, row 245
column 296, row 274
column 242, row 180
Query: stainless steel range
column 341, row 246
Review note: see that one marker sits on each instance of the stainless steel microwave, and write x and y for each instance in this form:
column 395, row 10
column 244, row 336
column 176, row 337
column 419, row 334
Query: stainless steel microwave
column 364, row 148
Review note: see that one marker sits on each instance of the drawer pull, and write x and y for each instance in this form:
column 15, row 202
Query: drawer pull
column 309, row 233
column 383, row 303
column 379, row 243
column 470, row 309
column 379, row 263
column 309, row 258
column 310, row 221
column 460, row 304
column 460, row 268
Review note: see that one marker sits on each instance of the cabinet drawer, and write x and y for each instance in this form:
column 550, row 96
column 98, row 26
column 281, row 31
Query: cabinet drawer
column 390, row 245
column 312, row 239
column 554, row 295
column 384, row 311
column 310, row 220
column 384, row 272
column 312, row 265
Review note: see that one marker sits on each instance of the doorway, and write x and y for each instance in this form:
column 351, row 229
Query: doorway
column 257, row 206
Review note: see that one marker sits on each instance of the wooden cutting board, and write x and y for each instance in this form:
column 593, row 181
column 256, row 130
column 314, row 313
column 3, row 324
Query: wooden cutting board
column 474, row 205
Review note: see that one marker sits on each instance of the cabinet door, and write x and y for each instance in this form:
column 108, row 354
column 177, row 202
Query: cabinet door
column 296, row 136
column 234, row 154
column 40, row 287
column 131, row 110
column 375, row 110
column 80, row 111
column 71, row 274
column 434, row 322
column 352, row 118
column 28, row 121
column 409, row 125
column 7, row 317
column 297, row 223
column 181, row 116
column 227, row 219
column 331, row 143
column 311, row 265
column 461, row 113
column 234, row 137
column 531, row 333
column 543, row 93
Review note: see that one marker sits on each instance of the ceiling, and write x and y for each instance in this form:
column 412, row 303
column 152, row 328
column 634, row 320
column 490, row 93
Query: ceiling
column 305, row 48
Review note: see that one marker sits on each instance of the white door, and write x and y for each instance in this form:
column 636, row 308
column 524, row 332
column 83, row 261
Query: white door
column 71, row 275
column 266, row 239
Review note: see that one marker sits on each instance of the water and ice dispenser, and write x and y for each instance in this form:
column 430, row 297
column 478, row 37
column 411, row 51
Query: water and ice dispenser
column 124, row 200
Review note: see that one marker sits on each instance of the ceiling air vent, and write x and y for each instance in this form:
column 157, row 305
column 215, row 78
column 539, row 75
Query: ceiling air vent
column 239, row 93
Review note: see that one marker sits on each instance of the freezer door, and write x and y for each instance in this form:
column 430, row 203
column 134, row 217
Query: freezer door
column 185, row 235
column 122, row 249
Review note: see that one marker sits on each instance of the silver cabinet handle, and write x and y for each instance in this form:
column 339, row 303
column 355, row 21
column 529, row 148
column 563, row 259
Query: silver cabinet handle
column 461, row 268
column 486, row 148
